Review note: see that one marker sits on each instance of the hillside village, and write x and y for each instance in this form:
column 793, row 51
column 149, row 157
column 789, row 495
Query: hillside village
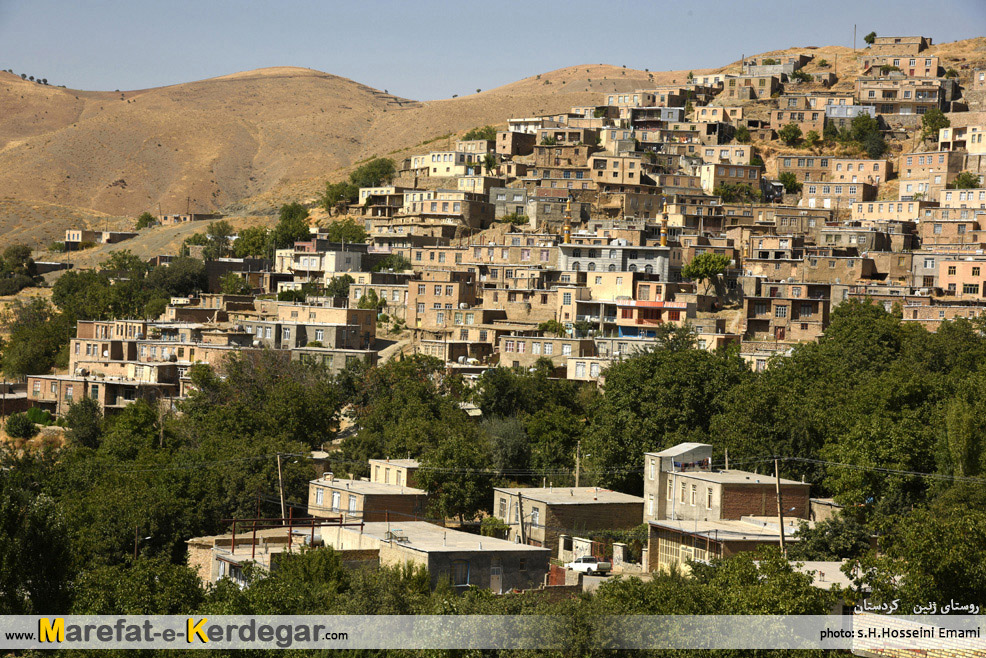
column 734, row 210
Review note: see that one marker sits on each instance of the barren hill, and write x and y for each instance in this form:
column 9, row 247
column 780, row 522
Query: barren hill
column 248, row 141
column 210, row 143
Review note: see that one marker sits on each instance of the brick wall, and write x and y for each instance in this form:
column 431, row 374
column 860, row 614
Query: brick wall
column 761, row 500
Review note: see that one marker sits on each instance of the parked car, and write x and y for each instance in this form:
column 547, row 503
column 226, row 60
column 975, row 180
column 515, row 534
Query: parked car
column 589, row 565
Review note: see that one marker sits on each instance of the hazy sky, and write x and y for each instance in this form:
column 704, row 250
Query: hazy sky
column 426, row 49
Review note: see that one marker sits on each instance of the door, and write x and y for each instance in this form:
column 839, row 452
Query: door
column 779, row 333
column 496, row 580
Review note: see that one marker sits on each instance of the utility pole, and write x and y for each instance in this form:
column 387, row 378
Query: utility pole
column 854, row 39
column 727, row 459
column 280, row 485
column 578, row 461
column 136, row 539
column 780, row 506
column 520, row 515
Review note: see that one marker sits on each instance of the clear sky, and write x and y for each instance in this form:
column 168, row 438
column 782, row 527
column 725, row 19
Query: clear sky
column 425, row 49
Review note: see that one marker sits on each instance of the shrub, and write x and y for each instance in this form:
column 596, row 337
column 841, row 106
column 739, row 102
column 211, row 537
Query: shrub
column 19, row 426
column 486, row 132
column 39, row 416
column 790, row 134
column 790, row 182
column 743, row 135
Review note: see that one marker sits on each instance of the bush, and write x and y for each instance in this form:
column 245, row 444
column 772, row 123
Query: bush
column 965, row 181
column 145, row 220
column 812, row 139
column 790, row 182
column 39, row 416
column 790, row 134
column 486, row 132
column 14, row 284
column 57, row 247
column 743, row 135
column 19, row 426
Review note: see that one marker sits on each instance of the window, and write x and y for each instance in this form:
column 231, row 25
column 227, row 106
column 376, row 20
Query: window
column 683, row 491
column 335, row 501
column 566, row 349
column 460, row 572
column 970, row 288
column 319, row 496
column 535, row 516
column 650, row 505
column 694, row 494
column 549, row 348
column 780, row 311
column 670, row 490
column 708, row 498
column 951, row 270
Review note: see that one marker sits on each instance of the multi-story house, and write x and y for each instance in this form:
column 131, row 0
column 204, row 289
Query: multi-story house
column 924, row 174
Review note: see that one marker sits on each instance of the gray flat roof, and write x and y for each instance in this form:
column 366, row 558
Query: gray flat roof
column 734, row 477
column 730, row 530
column 364, row 487
column 424, row 536
column 679, row 449
column 571, row 495
column 403, row 463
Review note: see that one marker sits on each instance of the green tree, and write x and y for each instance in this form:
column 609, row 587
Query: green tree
column 36, row 565
column 395, row 262
column 455, row 471
column 38, row 340
column 148, row 586
column 552, row 327
column 252, row 241
column 337, row 195
column 338, row 286
column 220, row 236
column 233, row 284
column 125, row 263
column 790, row 182
column 371, row 301
column 707, row 267
column 19, row 426
column 181, row 277
column 870, row 38
column 486, row 132
column 84, row 420
column 742, row 134
column 830, row 132
column 932, row 121
column 812, row 139
column 346, row 230
column 374, row 173
column 145, row 220
column 292, row 225
column 790, row 134
column 966, row 180
column 838, row 538
column 875, row 146
column 654, row 400
column 489, row 163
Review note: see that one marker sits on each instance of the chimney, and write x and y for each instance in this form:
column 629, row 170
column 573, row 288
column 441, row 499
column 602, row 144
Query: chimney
column 329, row 476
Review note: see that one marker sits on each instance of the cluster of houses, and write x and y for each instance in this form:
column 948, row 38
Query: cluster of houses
column 692, row 510
column 564, row 238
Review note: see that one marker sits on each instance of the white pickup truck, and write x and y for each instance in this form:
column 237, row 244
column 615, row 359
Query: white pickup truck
column 589, row 565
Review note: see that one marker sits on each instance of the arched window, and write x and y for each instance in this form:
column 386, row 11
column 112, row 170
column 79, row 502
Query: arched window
column 632, row 268
column 576, row 253
column 612, row 268
column 575, row 266
column 649, row 269
column 592, row 267
column 592, row 253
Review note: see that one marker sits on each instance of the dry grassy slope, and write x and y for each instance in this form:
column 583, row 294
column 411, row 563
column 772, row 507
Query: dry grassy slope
column 249, row 141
